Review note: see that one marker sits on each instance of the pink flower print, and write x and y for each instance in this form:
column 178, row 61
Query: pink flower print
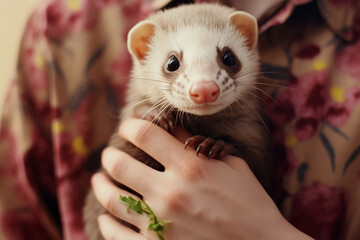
column 348, row 60
column 123, row 64
column 35, row 67
column 352, row 98
column 308, row 51
column 309, row 100
column 136, row 10
column 337, row 115
column 8, row 146
column 343, row 103
column 318, row 210
column 81, row 115
column 68, row 16
column 280, row 110
column 306, row 99
column 291, row 161
column 72, row 191
column 71, row 154
column 102, row 3
column 305, row 128
column 310, row 96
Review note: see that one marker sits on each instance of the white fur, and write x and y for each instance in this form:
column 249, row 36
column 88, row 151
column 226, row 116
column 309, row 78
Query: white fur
column 198, row 40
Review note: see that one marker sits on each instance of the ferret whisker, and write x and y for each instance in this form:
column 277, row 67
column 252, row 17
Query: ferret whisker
column 258, row 73
column 152, row 108
column 125, row 111
column 161, row 113
column 276, row 85
column 256, row 112
column 289, row 88
column 182, row 113
column 231, row 110
column 265, row 93
column 145, row 79
column 178, row 117
column 254, row 95
column 269, row 72
column 172, row 109
column 152, row 80
column 132, row 106
column 112, row 115
column 249, row 73
column 156, row 105
column 156, row 117
column 189, row 119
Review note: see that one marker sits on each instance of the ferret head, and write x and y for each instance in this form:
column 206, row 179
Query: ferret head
column 199, row 59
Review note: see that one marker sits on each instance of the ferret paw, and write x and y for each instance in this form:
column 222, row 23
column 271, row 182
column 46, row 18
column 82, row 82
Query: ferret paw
column 216, row 149
column 165, row 121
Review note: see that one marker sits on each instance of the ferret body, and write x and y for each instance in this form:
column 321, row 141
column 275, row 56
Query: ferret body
column 196, row 65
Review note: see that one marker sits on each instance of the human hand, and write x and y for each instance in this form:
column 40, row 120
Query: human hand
column 205, row 199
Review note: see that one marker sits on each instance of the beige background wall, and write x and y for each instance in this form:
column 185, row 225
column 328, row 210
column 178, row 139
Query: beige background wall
column 13, row 16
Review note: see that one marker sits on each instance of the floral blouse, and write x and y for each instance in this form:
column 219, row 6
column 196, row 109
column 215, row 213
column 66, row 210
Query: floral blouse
column 72, row 71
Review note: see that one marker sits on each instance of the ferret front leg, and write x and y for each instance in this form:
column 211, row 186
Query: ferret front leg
column 212, row 148
column 154, row 115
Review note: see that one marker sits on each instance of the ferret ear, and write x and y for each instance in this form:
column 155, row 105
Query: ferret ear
column 139, row 37
column 246, row 24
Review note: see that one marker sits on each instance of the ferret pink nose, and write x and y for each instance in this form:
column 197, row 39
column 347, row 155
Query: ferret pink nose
column 204, row 92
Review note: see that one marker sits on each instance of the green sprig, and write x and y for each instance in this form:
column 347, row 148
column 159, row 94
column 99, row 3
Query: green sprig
column 141, row 207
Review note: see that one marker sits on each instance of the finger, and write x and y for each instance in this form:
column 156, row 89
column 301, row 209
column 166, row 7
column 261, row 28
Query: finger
column 128, row 171
column 153, row 140
column 112, row 229
column 107, row 193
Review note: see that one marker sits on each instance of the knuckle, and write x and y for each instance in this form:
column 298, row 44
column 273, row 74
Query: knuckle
column 192, row 171
column 106, row 153
column 142, row 134
column 175, row 200
column 119, row 167
column 115, row 165
column 110, row 203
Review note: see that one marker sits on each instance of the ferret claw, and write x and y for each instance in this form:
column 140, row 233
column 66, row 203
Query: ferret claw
column 187, row 142
column 211, row 154
column 198, row 149
column 213, row 149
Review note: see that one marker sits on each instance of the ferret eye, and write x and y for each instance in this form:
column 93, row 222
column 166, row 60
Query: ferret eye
column 173, row 64
column 229, row 59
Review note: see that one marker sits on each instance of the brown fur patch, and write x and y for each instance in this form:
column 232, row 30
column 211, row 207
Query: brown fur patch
column 231, row 70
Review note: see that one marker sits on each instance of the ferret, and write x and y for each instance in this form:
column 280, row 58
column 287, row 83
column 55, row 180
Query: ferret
column 196, row 65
